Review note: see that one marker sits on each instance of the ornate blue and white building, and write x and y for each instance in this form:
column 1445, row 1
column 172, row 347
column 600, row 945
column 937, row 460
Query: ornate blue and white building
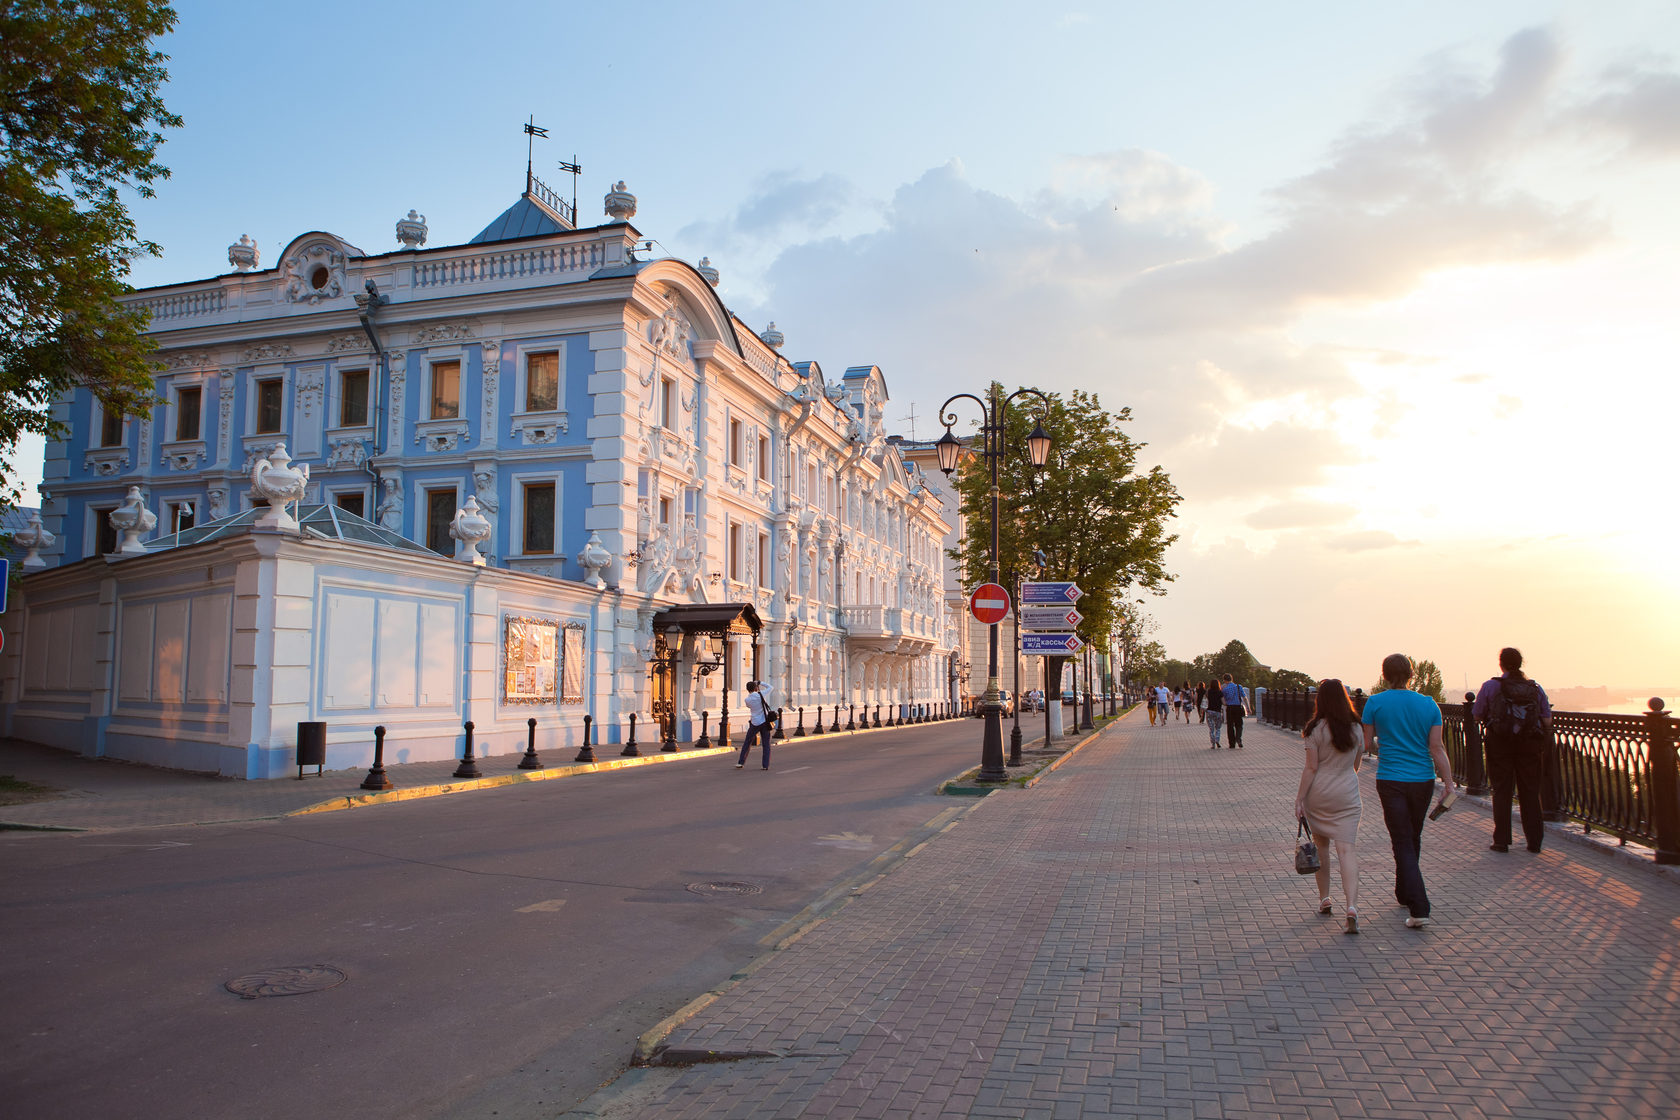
column 591, row 489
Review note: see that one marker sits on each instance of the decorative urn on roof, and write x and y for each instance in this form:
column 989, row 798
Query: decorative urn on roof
column 277, row 482
column 705, row 269
column 593, row 560
column 243, row 254
column 621, row 204
column 772, row 337
column 34, row 537
column 131, row 519
column 472, row 529
column 411, row 231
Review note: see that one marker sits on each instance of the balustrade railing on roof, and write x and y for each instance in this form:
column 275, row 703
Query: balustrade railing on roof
column 184, row 305
column 509, row 264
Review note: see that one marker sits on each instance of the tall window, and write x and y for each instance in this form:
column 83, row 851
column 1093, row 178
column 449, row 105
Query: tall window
column 542, row 381
column 104, row 535
column 539, row 518
column 665, row 511
column 353, row 398
column 268, row 405
column 735, row 442
column 764, row 559
column 735, row 551
column 110, row 428
column 446, row 390
column 181, row 516
column 440, row 511
column 189, row 404
column 667, row 403
column 764, row 458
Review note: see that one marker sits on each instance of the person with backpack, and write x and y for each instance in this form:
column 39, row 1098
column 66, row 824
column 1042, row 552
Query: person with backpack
column 1516, row 719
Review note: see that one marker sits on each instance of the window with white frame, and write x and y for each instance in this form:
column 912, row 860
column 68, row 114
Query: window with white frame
column 667, row 404
column 353, row 398
column 444, row 396
column 764, row 559
column 269, row 415
column 735, row 448
column 351, row 501
column 542, row 381
column 735, row 550
column 101, row 532
column 441, row 504
column 189, row 412
column 764, row 458
column 183, row 515
column 665, row 511
column 537, row 517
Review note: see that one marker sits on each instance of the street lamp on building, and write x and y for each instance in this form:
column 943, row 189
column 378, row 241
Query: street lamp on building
column 994, row 412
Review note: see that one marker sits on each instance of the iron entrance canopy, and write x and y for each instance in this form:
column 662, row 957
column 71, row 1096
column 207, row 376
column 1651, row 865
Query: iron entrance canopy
column 322, row 522
column 708, row 618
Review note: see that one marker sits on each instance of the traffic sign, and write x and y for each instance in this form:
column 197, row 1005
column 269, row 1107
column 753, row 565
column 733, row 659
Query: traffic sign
column 1050, row 594
column 989, row 603
column 1051, row 644
column 1050, row 618
column 5, row 581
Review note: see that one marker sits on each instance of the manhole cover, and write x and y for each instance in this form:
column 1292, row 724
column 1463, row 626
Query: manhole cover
column 725, row 886
column 290, row 980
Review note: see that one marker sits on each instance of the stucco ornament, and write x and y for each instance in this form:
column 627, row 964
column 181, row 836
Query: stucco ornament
column 34, row 537
column 275, row 481
column 131, row 519
column 244, row 255
column 594, row 560
column 620, row 203
column 314, row 273
column 411, row 231
column 471, row 528
column 390, row 512
column 218, row 503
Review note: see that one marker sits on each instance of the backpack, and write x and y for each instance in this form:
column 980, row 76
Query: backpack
column 1514, row 709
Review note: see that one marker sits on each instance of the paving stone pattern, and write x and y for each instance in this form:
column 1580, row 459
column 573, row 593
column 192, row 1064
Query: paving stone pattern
column 1128, row 938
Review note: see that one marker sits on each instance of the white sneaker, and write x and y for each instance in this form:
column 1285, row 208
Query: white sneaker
column 1416, row 923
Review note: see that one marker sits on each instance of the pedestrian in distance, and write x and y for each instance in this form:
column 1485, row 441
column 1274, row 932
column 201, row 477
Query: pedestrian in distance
column 1328, row 796
column 1201, row 701
column 1149, row 703
column 1163, row 701
column 1186, row 700
column 1215, row 715
column 1408, row 725
column 1517, row 726
column 1235, row 697
column 759, row 723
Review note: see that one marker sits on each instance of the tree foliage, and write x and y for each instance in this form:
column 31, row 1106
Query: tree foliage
column 1426, row 678
column 80, row 110
column 1094, row 518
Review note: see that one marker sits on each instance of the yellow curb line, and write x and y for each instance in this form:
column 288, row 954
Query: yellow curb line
column 566, row 770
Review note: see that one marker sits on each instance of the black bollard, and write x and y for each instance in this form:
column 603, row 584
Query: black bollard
column 779, row 734
column 704, row 743
column 818, row 729
column 587, row 754
column 1475, row 768
column 799, row 732
column 630, row 750
column 531, row 761
column 668, row 732
column 723, row 725
column 376, row 778
column 836, row 725
column 877, row 715
column 851, row 717
column 469, row 765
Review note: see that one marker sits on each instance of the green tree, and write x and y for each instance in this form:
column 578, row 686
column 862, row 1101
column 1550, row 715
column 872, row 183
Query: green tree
column 80, row 106
column 1292, row 678
column 1092, row 515
column 1426, row 678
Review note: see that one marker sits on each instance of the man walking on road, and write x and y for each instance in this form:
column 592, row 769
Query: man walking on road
column 1518, row 720
column 759, row 725
column 1236, row 706
column 1408, row 727
column 1163, row 702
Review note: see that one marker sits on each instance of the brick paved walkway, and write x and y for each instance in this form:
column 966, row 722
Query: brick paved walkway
column 1128, row 939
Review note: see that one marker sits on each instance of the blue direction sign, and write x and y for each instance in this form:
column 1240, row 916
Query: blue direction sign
column 1050, row 594
column 1053, row 644
column 1050, row 618
column 5, row 581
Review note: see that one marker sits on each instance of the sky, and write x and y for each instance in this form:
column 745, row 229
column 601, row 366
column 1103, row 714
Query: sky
column 1391, row 290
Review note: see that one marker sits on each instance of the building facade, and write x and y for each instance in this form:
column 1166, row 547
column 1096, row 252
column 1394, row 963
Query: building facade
column 669, row 507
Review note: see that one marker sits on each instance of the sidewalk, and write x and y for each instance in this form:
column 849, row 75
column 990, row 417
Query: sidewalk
column 1128, row 938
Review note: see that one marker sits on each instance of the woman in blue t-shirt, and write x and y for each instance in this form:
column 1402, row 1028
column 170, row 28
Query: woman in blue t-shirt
column 1408, row 725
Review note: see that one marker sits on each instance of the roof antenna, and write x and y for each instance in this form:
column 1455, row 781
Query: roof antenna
column 531, row 133
column 912, row 418
column 576, row 171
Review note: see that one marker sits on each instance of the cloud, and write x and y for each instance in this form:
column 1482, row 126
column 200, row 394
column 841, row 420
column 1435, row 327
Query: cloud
column 1366, row 541
column 1235, row 462
column 1299, row 515
column 1642, row 106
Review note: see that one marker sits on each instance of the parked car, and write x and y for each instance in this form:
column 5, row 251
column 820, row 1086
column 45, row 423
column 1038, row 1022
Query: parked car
column 1067, row 695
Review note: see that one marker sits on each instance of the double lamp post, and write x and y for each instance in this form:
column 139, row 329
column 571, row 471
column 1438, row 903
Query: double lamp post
column 994, row 412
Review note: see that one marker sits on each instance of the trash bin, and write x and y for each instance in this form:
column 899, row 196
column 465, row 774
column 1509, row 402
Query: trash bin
column 311, row 747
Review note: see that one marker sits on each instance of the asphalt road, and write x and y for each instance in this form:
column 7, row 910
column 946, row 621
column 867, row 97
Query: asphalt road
column 503, row 948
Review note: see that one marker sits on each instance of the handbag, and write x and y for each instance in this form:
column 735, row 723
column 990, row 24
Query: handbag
column 1306, row 856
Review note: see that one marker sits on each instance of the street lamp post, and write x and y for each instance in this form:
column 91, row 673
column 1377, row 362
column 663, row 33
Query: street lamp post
column 993, row 412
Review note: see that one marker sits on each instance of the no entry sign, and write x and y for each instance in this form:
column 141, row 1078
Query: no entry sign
column 989, row 603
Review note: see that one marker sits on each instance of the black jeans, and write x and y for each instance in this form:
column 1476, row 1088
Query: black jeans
column 1405, row 806
column 1516, row 764
column 1233, row 725
column 762, row 732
